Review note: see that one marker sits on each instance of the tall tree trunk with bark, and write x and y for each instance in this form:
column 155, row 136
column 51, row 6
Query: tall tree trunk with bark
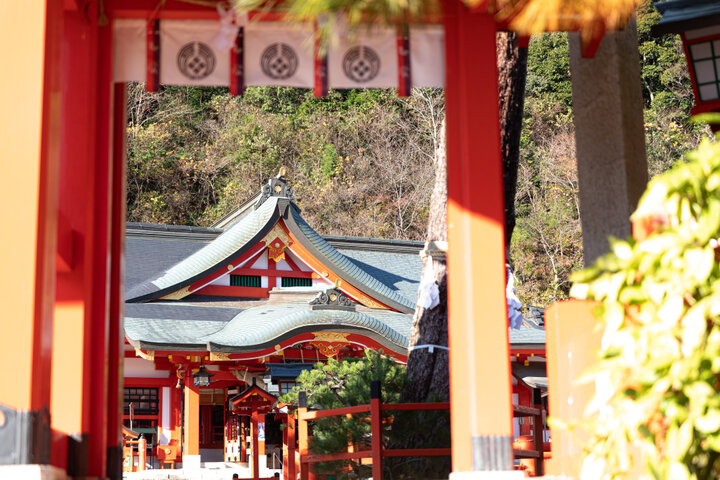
column 512, row 69
column 427, row 370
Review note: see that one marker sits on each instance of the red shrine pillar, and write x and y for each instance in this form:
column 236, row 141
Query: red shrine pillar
column 289, row 448
column 87, row 340
column 30, row 146
column 191, row 442
column 480, row 386
column 254, row 421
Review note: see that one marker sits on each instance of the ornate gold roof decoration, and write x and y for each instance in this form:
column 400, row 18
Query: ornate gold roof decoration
column 330, row 337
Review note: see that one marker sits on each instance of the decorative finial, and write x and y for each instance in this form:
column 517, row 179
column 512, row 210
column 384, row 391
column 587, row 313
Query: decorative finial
column 276, row 187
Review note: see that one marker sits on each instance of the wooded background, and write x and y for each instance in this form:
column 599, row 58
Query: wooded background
column 361, row 161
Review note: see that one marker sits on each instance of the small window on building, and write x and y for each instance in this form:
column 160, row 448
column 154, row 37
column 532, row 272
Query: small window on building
column 296, row 282
column 245, row 280
column 285, row 387
column 145, row 401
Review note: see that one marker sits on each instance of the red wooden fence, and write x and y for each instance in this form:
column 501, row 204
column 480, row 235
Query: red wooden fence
column 299, row 462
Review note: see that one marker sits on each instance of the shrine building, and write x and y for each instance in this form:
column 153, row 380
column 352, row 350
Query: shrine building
column 250, row 303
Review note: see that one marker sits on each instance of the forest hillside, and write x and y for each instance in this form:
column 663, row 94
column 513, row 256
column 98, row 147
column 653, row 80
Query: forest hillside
column 360, row 161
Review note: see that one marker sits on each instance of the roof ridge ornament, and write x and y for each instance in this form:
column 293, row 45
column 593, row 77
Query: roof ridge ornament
column 332, row 299
column 276, row 187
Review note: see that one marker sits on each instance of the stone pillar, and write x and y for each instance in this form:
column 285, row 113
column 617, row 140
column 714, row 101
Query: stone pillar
column 612, row 166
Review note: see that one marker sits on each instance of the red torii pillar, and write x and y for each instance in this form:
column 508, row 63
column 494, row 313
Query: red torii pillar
column 63, row 192
column 480, row 385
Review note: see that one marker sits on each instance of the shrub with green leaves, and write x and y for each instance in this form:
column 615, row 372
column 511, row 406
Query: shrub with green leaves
column 346, row 383
column 657, row 407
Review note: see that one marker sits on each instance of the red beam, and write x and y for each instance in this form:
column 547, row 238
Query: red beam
column 227, row 291
column 333, row 412
column 274, row 273
column 148, row 382
column 538, row 352
column 338, row 456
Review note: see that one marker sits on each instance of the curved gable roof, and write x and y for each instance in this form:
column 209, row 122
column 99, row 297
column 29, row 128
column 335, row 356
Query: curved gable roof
column 348, row 270
column 217, row 254
column 275, row 202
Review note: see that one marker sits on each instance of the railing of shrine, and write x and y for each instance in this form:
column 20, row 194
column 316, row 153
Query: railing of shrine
column 376, row 453
column 134, row 454
column 537, row 451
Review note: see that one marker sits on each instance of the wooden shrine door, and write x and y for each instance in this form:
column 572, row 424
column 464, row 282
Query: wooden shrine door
column 212, row 419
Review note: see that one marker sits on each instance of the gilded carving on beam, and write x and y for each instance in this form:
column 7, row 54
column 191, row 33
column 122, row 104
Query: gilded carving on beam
column 276, row 250
column 331, row 337
column 220, row 357
column 329, row 349
column 277, row 233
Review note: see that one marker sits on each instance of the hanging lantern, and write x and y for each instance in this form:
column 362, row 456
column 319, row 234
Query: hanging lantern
column 698, row 23
column 202, row 377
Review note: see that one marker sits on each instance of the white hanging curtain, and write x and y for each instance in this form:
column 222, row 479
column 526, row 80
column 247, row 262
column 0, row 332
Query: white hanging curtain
column 279, row 54
column 276, row 53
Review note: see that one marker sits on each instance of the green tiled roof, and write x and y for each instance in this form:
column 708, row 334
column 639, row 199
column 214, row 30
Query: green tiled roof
column 177, row 326
column 265, row 324
column 345, row 268
column 252, row 227
column 218, row 253
column 257, row 327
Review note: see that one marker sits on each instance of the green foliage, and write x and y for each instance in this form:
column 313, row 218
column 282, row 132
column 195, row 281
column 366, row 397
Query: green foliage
column 337, row 384
column 329, row 162
column 548, row 71
column 660, row 309
column 346, row 383
column 195, row 153
column 546, row 244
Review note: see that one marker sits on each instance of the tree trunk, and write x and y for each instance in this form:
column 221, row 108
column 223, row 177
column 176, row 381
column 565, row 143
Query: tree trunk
column 427, row 371
column 512, row 70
